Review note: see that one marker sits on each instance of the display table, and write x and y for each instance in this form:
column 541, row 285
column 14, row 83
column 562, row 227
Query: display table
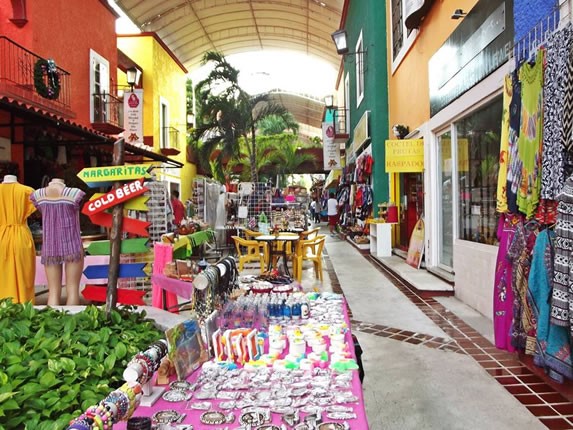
column 192, row 416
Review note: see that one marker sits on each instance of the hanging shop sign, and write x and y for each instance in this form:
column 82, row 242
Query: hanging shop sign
column 331, row 149
column 415, row 11
column 480, row 44
column 133, row 116
column 138, row 203
column 404, row 155
column 361, row 132
column 114, row 197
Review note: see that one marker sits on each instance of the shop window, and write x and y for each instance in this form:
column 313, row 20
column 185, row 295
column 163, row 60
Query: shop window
column 359, row 70
column 99, row 87
column 478, row 162
column 402, row 37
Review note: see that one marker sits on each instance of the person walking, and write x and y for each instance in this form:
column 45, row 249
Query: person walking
column 332, row 212
column 313, row 210
column 178, row 208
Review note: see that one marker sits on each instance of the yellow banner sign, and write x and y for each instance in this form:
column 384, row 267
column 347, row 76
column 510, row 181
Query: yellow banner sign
column 405, row 155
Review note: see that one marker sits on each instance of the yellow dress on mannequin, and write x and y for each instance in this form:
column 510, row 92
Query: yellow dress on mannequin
column 18, row 255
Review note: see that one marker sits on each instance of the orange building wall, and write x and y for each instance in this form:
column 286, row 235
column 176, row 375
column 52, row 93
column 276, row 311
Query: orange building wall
column 65, row 31
column 409, row 93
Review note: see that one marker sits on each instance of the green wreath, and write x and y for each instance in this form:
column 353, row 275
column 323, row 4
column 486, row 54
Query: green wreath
column 47, row 79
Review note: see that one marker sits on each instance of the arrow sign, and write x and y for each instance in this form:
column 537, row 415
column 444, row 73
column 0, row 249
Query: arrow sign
column 126, row 270
column 128, row 246
column 97, row 293
column 110, row 174
column 114, row 197
column 135, row 204
column 130, row 225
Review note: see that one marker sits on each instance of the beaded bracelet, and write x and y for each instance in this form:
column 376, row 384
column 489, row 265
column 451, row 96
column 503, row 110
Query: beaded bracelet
column 80, row 423
column 120, row 400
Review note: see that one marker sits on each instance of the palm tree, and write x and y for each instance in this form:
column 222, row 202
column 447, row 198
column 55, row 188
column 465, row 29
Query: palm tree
column 291, row 159
column 227, row 113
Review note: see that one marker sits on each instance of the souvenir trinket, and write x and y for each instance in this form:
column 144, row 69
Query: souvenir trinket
column 213, row 418
column 167, row 416
column 252, row 418
column 176, row 396
column 331, row 426
column 180, row 385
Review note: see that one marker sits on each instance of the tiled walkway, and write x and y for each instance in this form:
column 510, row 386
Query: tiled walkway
column 548, row 401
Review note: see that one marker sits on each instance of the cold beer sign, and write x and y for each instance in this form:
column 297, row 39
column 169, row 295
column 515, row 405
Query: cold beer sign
column 114, row 197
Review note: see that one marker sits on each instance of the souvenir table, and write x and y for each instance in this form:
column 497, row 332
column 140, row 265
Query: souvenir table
column 275, row 249
column 344, row 407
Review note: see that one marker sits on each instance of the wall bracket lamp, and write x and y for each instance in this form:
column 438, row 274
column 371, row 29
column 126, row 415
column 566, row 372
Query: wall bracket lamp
column 340, row 39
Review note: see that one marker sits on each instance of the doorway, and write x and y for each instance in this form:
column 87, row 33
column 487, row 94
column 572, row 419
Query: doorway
column 411, row 205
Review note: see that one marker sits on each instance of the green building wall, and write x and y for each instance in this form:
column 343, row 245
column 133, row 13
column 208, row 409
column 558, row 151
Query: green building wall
column 369, row 16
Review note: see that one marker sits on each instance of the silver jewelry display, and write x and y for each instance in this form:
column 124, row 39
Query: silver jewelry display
column 167, row 416
column 176, row 396
column 213, row 418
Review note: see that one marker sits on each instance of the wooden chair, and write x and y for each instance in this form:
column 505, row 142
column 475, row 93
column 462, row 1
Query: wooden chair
column 309, row 250
column 250, row 250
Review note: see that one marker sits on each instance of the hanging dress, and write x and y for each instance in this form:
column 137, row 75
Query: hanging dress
column 557, row 100
column 18, row 255
column 519, row 253
column 513, row 165
column 561, row 294
column 504, row 147
column 61, row 236
column 552, row 349
column 503, row 294
column 529, row 142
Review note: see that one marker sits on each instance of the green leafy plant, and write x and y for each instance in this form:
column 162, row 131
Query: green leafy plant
column 54, row 365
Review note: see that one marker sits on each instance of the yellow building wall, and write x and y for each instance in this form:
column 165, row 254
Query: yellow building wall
column 408, row 85
column 408, row 91
column 162, row 78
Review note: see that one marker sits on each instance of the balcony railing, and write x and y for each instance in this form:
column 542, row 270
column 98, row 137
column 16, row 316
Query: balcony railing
column 107, row 113
column 17, row 79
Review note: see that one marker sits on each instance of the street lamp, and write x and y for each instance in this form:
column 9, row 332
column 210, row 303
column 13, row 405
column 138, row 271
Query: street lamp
column 133, row 77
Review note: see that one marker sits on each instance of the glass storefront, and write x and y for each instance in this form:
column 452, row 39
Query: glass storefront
column 478, row 163
column 468, row 162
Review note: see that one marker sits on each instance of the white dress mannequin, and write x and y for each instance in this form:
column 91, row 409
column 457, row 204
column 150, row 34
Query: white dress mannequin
column 73, row 267
column 10, row 179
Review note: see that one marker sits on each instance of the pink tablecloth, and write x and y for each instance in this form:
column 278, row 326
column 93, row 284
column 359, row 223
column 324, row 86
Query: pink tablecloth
column 360, row 423
column 180, row 288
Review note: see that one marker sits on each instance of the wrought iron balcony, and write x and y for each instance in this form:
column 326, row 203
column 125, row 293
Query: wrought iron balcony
column 107, row 113
column 18, row 66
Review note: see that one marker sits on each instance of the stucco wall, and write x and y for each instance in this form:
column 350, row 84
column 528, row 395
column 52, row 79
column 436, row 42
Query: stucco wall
column 369, row 17
column 474, row 265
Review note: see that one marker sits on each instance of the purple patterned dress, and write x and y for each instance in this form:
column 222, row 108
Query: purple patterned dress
column 61, row 236
column 502, row 292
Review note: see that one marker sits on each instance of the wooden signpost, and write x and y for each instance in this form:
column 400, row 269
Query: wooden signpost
column 95, row 209
column 114, row 197
column 128, row 246
column 138, row 203
column 106, row 176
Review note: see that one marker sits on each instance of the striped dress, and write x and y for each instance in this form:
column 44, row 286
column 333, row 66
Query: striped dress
column 61, row 235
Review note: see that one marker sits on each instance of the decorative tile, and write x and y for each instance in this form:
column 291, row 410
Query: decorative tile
column 556, row 423
column 542, row 411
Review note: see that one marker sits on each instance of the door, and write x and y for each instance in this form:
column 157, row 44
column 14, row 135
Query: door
column 445, row 202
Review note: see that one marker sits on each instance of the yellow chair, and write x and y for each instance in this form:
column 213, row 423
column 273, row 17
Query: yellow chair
column 309, row 234
column 250, row 250
column 309, row 250
column 251, row 234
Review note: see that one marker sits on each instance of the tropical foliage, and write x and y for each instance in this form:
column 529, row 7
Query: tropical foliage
column 54, row 365
column 226, row 114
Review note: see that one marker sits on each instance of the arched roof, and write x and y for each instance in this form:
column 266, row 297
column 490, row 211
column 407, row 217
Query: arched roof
column 191, row 27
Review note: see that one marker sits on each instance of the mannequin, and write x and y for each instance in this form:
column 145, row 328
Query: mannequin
column 18, row 254
column 62, row 243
